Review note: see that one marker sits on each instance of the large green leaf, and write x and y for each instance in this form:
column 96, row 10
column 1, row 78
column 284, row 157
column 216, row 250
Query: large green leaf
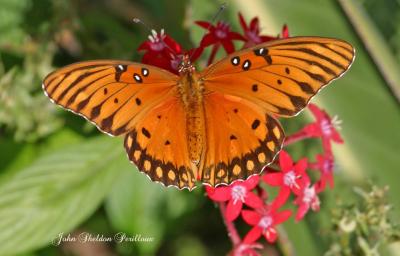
column 138, row 206
column 56, row 193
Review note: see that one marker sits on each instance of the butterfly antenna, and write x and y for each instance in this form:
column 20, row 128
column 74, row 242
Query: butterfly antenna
column 153, row 33
column 222, row 7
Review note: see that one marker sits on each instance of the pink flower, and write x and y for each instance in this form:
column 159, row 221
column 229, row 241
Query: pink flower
column 289, row 179
column 220, row 34
column 306, row 198
column 325, row 165
column 246, row 249
column 324, row 127
column 238, row 193
column 263, row 224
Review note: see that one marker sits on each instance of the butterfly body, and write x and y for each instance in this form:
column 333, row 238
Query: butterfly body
column 191, row 92
column 217, row 125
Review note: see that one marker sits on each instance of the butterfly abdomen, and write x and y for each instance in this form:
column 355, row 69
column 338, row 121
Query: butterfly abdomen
column 192, row 97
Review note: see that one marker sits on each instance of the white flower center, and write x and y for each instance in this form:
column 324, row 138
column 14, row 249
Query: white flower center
column 157, row 40
column 220, row 33
column 327, row 166
column 238, row 192
column 253, row 36
column 326, row 127
column 290, row 179
column 265, row 222
column 309, row 195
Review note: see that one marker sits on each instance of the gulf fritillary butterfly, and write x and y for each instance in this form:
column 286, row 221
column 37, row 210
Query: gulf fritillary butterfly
column 214, row 126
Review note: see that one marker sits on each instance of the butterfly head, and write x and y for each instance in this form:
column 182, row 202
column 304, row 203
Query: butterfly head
column 186, row 66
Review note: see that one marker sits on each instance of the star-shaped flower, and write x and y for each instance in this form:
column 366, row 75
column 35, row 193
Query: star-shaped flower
column 238, row 193
column 324, row 127
column 306, row 198
column 218, row 35
column 164, row 52
column 252, row 32
column 325, row 165
column 289, row 178
column 263, row 223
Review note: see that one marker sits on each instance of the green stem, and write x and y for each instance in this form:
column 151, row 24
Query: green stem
column 374, row 43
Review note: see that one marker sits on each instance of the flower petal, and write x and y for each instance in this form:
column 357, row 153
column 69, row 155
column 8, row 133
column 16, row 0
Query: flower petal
column 253, row 201
column 252, row 182
column 285, row 31
column 301, row 166
column 208, row 40
column 301, row 211
column 271, row 235
column 273, row 179
column 228, row 46
column 204, row 24
column 281, row 198
column 251, row 217
column 285, row 161
column 253, row 235
column 220, row 194
column 281, row 216
column 233, row 209
column 243, row 22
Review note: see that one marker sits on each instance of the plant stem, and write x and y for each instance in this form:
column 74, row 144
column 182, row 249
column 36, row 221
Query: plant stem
column 301, row 135
column 232, row 232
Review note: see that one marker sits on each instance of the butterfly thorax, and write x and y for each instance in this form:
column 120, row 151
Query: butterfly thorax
column 191, row 92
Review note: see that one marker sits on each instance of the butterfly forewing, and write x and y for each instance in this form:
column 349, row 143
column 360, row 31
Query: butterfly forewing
column 112, row 94
column 282, row 75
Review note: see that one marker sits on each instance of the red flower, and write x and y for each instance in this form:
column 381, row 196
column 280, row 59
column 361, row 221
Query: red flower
column 289, row 179
column 164, row 52
column 219, row 35
column 246, row 249
column 324, row 127
column 237, row 193
column 252, row 32
column 325, row 165
column 307, row 198
column 264, row 224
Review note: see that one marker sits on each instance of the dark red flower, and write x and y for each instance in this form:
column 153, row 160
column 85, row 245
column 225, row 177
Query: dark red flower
column 325, row 165
column 324, row 127
column 164, row 52
column 237, row 193
column 252, row 32
column 263, row 224
column 220, row 34
column 289, row 178
column 306, row 198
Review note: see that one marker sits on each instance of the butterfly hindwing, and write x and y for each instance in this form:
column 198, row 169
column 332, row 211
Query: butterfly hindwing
column 281, row 76
column 241, row 139
column 112, row 94
column 158, row 146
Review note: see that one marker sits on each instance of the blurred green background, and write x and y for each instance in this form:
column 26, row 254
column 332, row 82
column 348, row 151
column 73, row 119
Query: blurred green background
column 58, row 174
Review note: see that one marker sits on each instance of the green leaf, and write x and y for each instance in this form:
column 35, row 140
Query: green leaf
column 138, row 206
column 55, row 193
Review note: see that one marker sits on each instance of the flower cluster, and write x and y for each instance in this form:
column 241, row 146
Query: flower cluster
column 293, row 179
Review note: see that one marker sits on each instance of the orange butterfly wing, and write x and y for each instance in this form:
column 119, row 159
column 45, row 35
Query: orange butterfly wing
column 241, row 139
column 158, row 145
column 138, row 100
column 114, row 95
column 244, row 90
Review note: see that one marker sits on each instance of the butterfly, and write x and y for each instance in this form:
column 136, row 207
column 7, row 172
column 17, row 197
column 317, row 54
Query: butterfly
column 214, row 126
